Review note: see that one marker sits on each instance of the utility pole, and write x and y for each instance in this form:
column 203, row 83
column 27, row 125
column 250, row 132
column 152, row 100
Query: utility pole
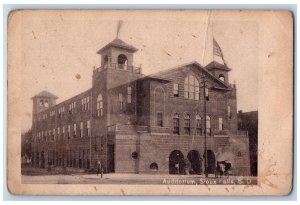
column 204, row 105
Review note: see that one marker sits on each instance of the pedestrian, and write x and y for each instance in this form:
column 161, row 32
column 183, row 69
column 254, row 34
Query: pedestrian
column 98, row 167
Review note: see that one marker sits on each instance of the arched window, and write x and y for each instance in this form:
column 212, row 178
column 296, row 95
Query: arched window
column 208, row 128
column 176, row 123
column 191, row 88
column 46, row 103
column 198, row 125
column 122, row 61
column 99, row 105
column 222, row 77
column 154, row 166
column 187, row 124
column 41, row 102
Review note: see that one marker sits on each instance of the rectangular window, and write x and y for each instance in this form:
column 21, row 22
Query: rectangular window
column 187, row 128
column 220, row 123
column 58, row 133
column 159, row 119
column 129, row 94
column 175, row 90
column 53, row 135
column 121, row 101
column 229, row 112
column 176, row 125
column 88, row 126
column 81, row 129
column 74, row 130
column 206, row 94
column 198, row 127
column 69, row 131
column 82, row 104
column 63, row 132
column 197, row 95
column 88, row 102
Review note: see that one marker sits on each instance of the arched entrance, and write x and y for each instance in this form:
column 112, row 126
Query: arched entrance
column 211, row 162
column 176, row 162
column 196, row 162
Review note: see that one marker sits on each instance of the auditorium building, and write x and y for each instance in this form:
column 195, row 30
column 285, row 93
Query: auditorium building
column 132, row 123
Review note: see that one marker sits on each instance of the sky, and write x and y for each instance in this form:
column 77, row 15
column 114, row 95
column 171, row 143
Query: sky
column 57, row 46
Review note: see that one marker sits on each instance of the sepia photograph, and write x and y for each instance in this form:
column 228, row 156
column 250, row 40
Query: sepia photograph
column 162, row 99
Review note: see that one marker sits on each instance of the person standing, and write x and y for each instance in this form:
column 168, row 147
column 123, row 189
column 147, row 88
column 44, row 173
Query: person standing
column 98, row 167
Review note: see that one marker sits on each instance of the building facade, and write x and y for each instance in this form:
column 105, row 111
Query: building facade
column 161, row 123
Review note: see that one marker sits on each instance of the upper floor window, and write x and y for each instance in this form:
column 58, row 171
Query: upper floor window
column 58, row 133
column 81, row 129
column 206, row 94
column 159, row 119
column 122, row 61
column 129, row 94
column 198, row 125
column 63, row 132
column 99, row 105
column 121, row 105
column 191, row 88
column 72, row 108
column 222, row 77
column 220, row 123
column 187, row 124
column 176, row 123
column 175, row 90
column 69, row 131
column 228, row 112
column 74, row 128
column 85, row 103
column 88, row 126
column 46, row 103
column 41, row 102
column 208, row 128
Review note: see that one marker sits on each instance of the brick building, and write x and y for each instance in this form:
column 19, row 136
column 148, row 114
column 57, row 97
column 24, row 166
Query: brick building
column 142, row 124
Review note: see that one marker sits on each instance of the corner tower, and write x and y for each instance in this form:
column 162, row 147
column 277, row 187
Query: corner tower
column 116, row 65
column 41, row 102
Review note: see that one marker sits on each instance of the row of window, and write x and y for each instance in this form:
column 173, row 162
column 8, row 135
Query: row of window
column 64, row 132
column 70, row 158
column 191, row 88
column 187, row 124
column 85, row 105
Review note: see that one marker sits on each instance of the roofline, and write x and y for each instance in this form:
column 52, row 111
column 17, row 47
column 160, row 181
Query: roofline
column 187, row 64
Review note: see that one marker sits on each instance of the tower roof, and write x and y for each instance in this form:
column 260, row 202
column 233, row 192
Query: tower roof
column 45, row 93
column 119, row 44
column 216, row 65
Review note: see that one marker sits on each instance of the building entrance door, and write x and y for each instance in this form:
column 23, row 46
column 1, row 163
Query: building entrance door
column 176, row 162
column 111, row 158
column 196, row 162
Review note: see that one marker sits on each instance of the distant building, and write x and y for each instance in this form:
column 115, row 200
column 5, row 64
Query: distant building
column 142, row 124
column 249, row 121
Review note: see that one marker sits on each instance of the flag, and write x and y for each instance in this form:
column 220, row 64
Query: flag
column 217, row 49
